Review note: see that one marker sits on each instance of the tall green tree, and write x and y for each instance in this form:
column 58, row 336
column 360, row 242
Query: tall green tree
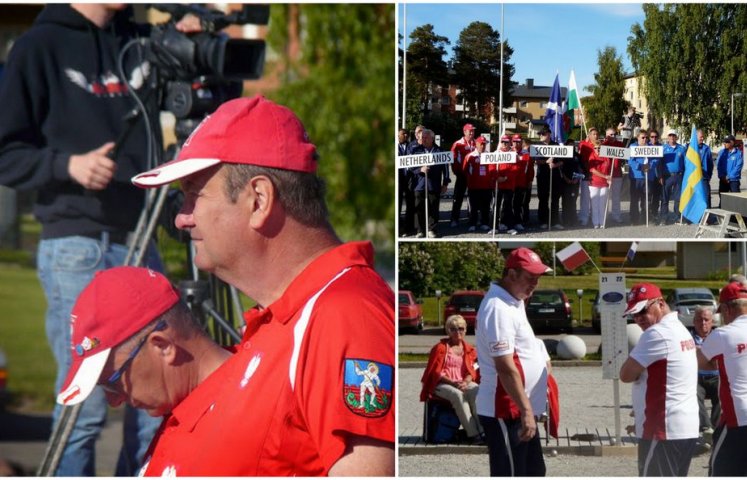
column 341, row 87
column 604, row 108
column 693, row 57
column 477, row 68
column 426, row 69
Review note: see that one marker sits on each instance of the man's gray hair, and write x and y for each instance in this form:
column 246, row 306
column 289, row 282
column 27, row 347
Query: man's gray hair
column 702, row 308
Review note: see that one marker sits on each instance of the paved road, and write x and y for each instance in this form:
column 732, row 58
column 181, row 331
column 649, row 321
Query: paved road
column 422, row 343
column 586, row 402
column 624, row 231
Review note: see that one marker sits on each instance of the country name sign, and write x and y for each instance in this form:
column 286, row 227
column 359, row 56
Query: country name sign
column 424, row 160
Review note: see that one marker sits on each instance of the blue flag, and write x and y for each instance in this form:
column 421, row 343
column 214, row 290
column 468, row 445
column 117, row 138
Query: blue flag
column 554, row 113
column 693, row 195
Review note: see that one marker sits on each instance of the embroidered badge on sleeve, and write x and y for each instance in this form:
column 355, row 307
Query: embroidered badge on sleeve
column 367, row 389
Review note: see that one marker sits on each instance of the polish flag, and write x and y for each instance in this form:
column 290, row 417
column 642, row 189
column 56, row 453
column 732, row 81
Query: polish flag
column 573, row 256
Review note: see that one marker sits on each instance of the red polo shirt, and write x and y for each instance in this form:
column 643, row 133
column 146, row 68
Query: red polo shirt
column 284, row 404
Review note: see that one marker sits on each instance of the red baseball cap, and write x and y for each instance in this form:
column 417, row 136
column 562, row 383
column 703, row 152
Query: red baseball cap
column 639, row 296
column 526, row 259
column 252, row 131
column 516, row 137
column 732, row 291
column 481, row 139
column 468, row 126
column 505, row 138
column 117, row 304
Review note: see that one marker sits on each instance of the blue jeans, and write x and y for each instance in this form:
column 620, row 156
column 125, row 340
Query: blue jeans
column 65, row 266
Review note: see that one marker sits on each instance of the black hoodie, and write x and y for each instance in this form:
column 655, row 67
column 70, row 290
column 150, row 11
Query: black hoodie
column 60, row 95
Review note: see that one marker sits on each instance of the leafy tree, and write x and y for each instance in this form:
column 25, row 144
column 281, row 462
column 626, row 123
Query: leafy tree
column 693, row 58
column 425, row 267
column 607, row 103
column 425, row 68
column 341, row 87
column 477, row 67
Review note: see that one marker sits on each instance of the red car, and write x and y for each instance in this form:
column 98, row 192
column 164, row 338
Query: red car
column 410, row 312
column 464, row 303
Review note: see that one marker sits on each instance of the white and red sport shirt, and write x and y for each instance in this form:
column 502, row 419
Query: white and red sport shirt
column 665, row 398
column 728, row 345
column 502, row 329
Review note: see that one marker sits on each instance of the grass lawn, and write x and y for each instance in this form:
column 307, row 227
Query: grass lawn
column 31, row 366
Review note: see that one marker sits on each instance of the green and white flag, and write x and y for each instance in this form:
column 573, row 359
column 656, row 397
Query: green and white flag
column 573, row 102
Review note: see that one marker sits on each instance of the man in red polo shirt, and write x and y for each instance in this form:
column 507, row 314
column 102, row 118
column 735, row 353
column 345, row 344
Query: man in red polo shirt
column 256, row 213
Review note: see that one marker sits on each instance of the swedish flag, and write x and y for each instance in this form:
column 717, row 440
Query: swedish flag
column 693, row 195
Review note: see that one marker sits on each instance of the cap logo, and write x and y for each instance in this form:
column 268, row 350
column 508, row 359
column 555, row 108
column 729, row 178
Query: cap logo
column 191, row 135
column 86, row 344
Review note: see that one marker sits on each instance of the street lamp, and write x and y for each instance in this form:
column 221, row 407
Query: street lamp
column 438, row 298
column 734, row 94
column 580, row 293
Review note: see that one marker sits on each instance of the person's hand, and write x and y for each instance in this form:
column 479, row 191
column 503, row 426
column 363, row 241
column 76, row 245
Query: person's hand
column 93, row 170
column 528, row 426
column 189, row 24
column 423, row 169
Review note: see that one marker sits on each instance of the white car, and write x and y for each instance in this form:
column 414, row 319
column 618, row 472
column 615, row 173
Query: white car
column 684, row 300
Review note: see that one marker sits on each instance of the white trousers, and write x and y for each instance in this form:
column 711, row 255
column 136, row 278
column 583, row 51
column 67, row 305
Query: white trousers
column 598, row 202
column 463, row 403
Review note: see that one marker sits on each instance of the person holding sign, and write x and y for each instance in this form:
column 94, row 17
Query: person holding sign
column 729, row 165
column 548, row 169
column 431, row 182
column 524, row 179
column 671, row 167
column 589, row 150
column 617, row 179
column 459, row 150
column 480, row 180
column 663, row 369
column 505, row 180
column 655, row 178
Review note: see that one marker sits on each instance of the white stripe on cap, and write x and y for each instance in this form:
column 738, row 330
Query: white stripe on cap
column 171, row 171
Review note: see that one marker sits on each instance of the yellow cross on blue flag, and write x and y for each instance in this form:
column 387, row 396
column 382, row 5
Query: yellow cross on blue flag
column 693, row 195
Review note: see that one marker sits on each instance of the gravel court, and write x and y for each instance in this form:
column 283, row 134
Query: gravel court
column 586, row 401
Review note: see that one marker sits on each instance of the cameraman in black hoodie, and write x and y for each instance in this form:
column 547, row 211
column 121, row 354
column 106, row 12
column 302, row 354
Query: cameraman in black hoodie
column 63, row 108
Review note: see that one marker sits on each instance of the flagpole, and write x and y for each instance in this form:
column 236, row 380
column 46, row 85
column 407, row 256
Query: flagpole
column 495, row 203
column 609, row 193
column 427, row 218
column 500, row 94
column 645, row 178
column 404, row 64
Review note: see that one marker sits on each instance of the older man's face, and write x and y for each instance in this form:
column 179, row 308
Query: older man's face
column 703, row 322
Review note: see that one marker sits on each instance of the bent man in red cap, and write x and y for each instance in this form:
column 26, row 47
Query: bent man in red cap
column 513, row 368
column 664, row 371
column 725, row 348
column 256, row 213
column 459, row 151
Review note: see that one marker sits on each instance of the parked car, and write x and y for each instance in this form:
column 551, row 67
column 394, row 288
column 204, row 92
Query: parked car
column 596, row 316
column 465, row 303
column 549, row 309
column 684, row 300
column 410, row 312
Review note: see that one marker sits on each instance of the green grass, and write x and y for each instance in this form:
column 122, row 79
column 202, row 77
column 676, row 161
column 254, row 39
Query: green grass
column 31, row 366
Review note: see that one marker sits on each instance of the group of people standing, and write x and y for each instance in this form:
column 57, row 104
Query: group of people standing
column 579, row 191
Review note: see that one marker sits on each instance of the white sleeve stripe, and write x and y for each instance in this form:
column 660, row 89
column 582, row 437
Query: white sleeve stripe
column 299, row 330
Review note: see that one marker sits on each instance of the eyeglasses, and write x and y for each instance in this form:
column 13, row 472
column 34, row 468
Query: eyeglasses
column 653, row 136
column 114, row 378
column 457, row 329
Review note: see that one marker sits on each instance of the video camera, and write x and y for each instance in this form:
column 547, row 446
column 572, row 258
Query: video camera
column 199, row 71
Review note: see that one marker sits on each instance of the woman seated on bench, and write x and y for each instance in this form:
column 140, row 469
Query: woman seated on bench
column 451, row 375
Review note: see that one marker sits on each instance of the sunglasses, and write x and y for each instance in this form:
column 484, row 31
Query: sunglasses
column 457, row 329
column 645, row 309
column 114, row 378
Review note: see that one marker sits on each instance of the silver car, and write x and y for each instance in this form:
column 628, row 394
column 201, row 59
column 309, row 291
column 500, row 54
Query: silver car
column 684, row 300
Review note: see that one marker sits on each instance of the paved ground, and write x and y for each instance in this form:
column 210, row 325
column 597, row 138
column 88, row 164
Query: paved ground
column 586, row 403
column 622, row 231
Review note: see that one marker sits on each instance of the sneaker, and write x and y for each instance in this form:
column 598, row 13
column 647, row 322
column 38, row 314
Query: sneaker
column 512, row 232
column 484, row 228
column 432, row 234
column 472, row 228
column 420, row 235
column 519, row 227
column 558, row 226
column 543, row 226
column 596, row 227
column 502, row 228
column 453, row 224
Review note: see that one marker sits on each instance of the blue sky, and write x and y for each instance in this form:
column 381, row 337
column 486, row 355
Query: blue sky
column 547, row 38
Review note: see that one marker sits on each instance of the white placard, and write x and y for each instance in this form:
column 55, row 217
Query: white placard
column 424, row 160
column 487, row 144
column 438, row 140
column 547, row 151
column 497, row 157
column 612, row 303
column 647, row 151
column 608, row 151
